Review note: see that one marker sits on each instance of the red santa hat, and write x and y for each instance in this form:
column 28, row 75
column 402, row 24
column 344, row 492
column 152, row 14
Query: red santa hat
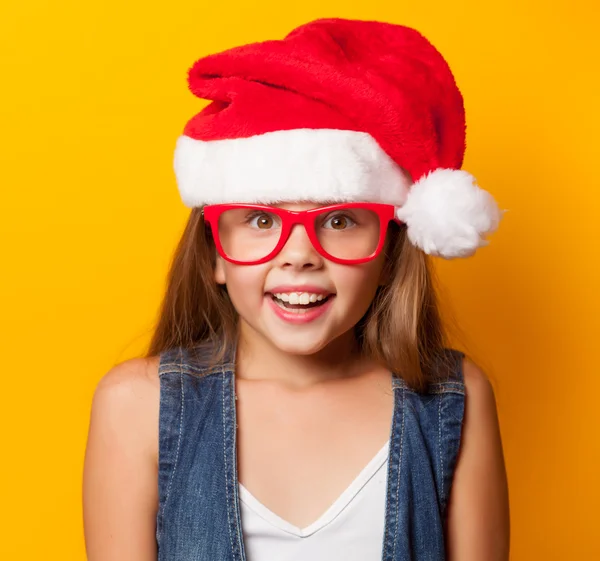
column 338, row 110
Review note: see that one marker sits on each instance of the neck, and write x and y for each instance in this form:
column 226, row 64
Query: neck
column 258, row 359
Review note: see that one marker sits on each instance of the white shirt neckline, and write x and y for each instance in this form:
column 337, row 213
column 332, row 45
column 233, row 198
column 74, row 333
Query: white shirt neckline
column 331, row 513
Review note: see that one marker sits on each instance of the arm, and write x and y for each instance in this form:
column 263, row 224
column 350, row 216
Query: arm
column 478, row 509
column 120, row 468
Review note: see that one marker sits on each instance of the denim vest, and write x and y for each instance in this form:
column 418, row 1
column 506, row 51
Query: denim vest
column 199, row 508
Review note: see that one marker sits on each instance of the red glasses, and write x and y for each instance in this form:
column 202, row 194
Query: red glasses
column 349, row 233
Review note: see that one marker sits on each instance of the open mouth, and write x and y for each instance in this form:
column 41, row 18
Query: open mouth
column 295, row 302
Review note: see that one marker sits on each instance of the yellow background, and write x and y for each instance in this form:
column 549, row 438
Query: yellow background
column 93, row 96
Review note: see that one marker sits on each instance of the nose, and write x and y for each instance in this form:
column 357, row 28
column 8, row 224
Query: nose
column 299, row 252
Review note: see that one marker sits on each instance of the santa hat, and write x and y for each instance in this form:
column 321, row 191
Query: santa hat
column 338, row 110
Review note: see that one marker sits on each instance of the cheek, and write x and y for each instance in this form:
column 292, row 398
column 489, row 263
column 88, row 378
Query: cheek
column 358, row 284
column 245, row 284
column 360, row 279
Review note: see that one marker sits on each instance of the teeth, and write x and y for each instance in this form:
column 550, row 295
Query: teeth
column 302, row 298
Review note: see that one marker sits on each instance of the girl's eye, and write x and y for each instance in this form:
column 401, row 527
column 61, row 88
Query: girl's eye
column 262, row 221
column 339, row 222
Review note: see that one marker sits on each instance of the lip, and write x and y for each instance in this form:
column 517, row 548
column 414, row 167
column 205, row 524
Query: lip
column 299, row 288
column 307, row 316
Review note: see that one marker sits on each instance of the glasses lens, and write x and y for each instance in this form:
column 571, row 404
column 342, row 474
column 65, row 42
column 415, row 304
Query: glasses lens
column 248, row 234
column 348, row 233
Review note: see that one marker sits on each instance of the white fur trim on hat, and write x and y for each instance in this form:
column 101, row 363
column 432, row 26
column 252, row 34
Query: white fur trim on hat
column 319, row 165
column 448, row 215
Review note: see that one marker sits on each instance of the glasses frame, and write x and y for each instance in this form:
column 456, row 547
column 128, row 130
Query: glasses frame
column 289, row 218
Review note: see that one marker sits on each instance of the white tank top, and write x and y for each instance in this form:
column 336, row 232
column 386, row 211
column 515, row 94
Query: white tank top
column 351, row 529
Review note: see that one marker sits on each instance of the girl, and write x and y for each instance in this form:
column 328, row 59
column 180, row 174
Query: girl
column 298, row 400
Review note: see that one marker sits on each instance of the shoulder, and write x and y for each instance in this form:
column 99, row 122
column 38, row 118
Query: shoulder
column 126, row 402
column 120, row 468
column 481, row 414
column 477, row 383
column 480, row 417
column 129, row 385
column 130, row 374
column 478, row 509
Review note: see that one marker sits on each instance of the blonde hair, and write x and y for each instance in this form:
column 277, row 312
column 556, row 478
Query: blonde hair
column 402, row 329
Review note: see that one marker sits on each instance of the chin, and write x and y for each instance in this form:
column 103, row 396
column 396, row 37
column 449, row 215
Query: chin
column 299, row 344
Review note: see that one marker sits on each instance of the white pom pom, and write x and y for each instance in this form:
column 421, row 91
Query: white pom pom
column 448, row 215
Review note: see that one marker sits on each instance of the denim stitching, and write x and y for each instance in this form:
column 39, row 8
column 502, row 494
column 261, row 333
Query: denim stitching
column 399, row 471
column 176, row 452
column 434, row 388
column 186, row 369
column 440, row 447
column 390, row 466
column 225, row 460
column 234, row 465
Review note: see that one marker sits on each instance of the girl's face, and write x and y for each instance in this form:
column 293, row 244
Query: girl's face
column 300, row 301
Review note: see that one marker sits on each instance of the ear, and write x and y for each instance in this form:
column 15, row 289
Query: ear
column 220, row 276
